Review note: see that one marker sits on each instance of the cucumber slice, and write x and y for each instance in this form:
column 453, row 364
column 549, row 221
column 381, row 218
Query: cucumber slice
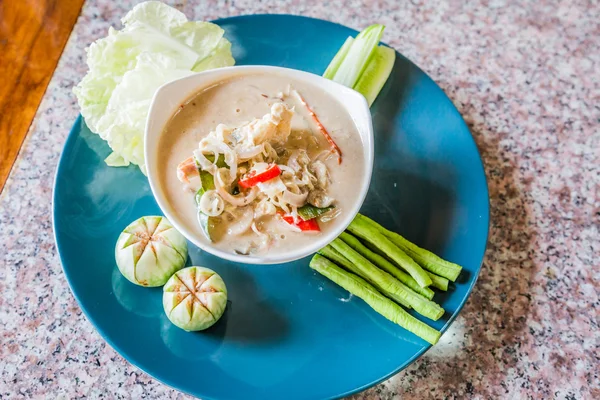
column 334, row 65
column 358, row 56
column 376, row 73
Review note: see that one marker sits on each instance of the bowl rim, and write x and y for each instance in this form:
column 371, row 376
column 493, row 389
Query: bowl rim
column 214, row 75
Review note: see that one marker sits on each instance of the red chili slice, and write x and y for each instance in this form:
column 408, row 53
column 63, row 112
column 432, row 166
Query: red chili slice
column 310, row 225
column 252, row 179
column 334, row 147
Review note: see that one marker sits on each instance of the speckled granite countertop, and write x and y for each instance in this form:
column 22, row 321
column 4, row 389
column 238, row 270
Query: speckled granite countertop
column 525, row 76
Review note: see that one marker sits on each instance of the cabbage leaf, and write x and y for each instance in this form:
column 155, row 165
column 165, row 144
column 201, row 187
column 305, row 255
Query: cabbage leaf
column 156, row 45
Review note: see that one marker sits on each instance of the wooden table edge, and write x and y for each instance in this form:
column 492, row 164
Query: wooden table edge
column 33, row 37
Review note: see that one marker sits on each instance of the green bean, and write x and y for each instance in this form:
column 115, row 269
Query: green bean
column 386, row 283
column 438, row 282
column 387, row 266
column 379, row 259
column 424, row 258
column 372, row 235
column 332, row 254
column 384, row 306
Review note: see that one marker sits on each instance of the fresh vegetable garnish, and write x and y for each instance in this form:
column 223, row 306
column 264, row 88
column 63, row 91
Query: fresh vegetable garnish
column 361, row 64
column 386, row 283
column 383, row 263
column 331, row 253
column 370, row 234
column 424, row 258
column 377, row 262
column 149, row 251
column 358, row 55
column 194, row 298
column 305, row 226
column 156, row 45
column 384, row 306
column 334, row 65
column 308, row 211
column 253, row 178
column 334, row 146
column 438, row 282
column 378, row 70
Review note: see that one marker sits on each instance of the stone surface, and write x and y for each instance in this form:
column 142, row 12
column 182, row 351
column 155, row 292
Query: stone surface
column 526, row 77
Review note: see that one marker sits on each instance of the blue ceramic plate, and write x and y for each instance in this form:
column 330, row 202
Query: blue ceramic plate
column 287, row 333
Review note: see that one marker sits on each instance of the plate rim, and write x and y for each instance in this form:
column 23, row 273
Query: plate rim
column 73, row 133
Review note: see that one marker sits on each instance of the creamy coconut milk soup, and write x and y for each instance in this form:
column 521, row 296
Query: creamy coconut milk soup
column 261, row 163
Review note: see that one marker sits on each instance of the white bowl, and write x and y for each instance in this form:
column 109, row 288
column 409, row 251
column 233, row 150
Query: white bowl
column 171, row 95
